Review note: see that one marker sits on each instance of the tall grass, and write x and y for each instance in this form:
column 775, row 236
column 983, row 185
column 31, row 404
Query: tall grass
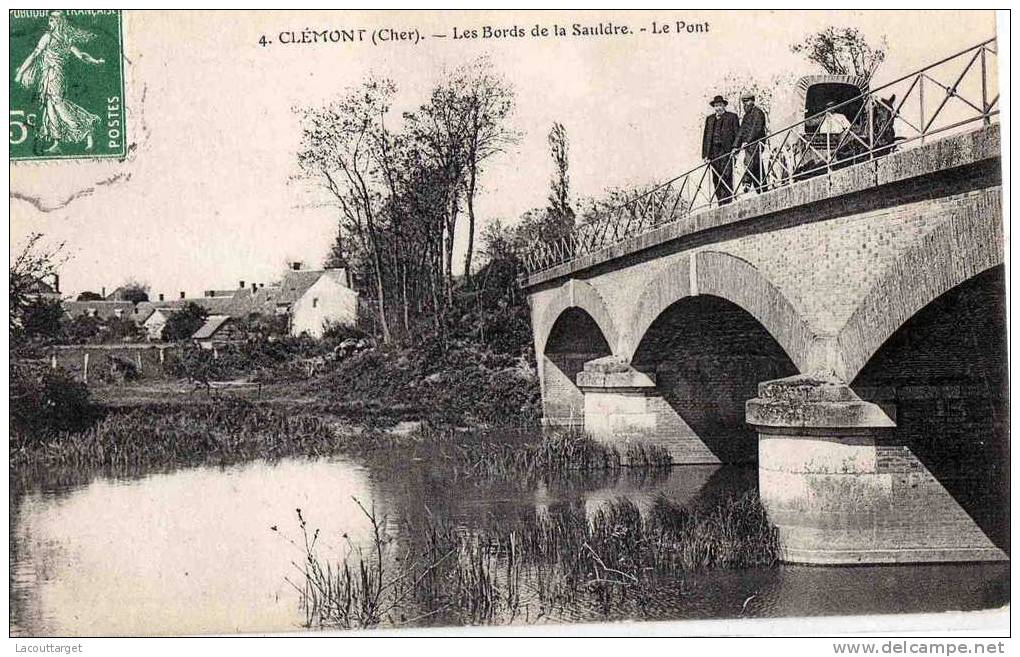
column 232, row 430
column 524, row 566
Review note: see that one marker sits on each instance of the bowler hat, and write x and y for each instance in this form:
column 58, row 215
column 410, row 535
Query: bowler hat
column 717, row 100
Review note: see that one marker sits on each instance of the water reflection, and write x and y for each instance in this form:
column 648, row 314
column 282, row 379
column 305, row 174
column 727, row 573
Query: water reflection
column 189, row 552
column 193, row 551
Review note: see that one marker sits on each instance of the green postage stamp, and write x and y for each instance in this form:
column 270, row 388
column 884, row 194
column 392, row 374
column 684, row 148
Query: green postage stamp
column 67, row 84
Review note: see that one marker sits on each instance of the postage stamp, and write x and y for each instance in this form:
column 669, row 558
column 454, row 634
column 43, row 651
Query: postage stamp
column 66, row 84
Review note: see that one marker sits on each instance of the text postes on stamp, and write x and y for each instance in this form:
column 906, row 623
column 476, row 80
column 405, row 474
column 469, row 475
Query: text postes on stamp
column 66, row 84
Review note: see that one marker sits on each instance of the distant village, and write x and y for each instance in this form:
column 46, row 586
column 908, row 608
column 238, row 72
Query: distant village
column 309, row 299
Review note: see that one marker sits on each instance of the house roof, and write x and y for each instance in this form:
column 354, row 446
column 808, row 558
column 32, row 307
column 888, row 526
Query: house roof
column 296, row 283
column 36, row 285
column 238, row 303
column 165, row 311
column 212, row 324
column 100, row 309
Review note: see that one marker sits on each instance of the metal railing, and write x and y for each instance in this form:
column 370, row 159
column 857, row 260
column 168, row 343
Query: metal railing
column 897, row 115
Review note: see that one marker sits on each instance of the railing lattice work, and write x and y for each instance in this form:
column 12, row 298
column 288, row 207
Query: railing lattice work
column 944, row 98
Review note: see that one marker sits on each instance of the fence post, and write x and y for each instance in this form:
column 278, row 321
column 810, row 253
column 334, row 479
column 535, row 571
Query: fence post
column 160, row 355
column 53, row 361
column 85, row 369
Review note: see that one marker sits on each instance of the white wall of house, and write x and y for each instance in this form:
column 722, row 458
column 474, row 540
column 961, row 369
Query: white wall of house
column 327, row 300
column 154, row 324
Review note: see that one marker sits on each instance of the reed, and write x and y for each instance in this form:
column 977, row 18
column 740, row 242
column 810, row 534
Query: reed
column 431, row 571
column 232, row 430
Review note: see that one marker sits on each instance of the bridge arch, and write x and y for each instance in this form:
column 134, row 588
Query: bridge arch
column 969, row 243
column 728, row 277
column 574, row 327
column 943, row 376
column 708, row 329
column 575, row 294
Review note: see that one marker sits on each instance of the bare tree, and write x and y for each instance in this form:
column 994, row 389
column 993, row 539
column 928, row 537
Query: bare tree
column 437, row 130
column 343, row 146
column 842, row 51
column 35, row 263
column 487, row 101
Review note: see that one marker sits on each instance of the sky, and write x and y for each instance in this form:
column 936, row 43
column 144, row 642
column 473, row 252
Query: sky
column 208, row 196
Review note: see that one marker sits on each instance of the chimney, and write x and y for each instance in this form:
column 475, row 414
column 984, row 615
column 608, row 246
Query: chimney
column 56, row 283
column 296, row 266
column 160, row 296
column 182, row 294
column 103, row 292
column 241, row 285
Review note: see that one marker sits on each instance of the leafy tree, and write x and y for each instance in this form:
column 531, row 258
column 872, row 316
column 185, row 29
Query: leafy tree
column 134, row 291
column 89, row 296
column 184, row 321
column 842, row 51
column 766, row 91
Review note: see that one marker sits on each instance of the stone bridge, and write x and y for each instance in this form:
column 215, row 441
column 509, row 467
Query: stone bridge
column 845, row 332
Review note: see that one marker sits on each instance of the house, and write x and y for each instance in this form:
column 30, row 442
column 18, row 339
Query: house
column 217, row 330
column 156, row 322
column 317, row 298
column 237, row 303
column 39, row 289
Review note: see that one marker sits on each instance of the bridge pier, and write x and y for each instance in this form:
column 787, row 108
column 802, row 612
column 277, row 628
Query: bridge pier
column 624, row 408
column 838, row 489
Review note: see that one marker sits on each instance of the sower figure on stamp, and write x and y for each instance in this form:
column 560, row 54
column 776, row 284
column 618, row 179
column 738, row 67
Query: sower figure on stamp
column 752, row 128
column 716, row 145
column 44, row 71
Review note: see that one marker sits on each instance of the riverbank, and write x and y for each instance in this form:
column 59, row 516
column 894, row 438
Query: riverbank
column 180, row 431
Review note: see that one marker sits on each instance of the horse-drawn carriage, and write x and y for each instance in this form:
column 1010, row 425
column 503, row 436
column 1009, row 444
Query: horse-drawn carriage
column 836, row 124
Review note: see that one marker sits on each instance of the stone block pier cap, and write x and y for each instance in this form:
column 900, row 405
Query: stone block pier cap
column 613, row 372
column 813, row 401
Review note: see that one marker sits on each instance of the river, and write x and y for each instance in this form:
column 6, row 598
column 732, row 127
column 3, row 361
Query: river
column 211, row 549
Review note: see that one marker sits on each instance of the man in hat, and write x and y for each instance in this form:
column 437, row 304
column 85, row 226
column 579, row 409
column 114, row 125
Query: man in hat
column 716, row 147
column 752, row 128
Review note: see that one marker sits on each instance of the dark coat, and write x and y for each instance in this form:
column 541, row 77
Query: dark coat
column 752, row 128
column 727, row 133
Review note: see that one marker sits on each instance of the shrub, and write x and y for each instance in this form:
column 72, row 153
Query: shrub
column 119, row 329
column 46, row 401
column 41, row 320
column 81, row 329
column 183, row 322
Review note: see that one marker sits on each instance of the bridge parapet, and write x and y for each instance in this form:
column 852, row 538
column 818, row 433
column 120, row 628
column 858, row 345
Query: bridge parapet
column 940, row 168
column 865, row 128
